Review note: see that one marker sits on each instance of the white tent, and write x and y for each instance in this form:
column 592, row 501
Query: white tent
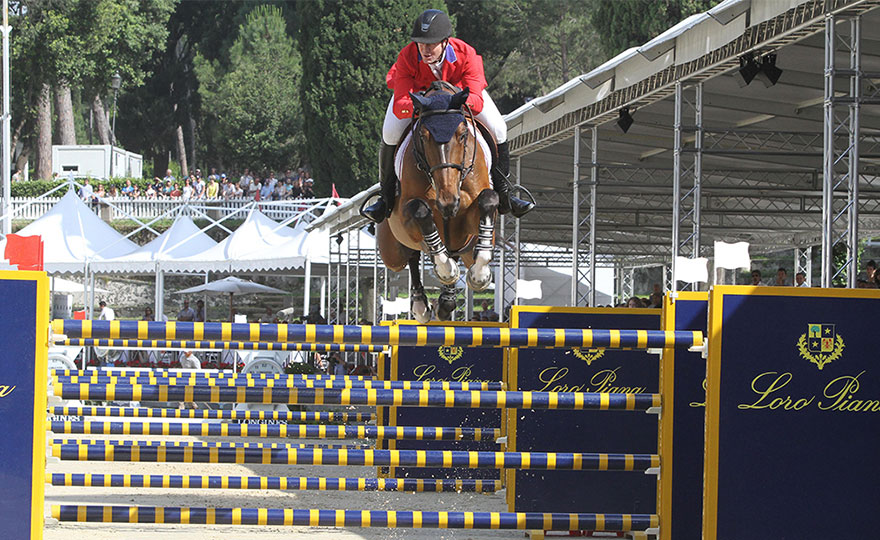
column 259, row 244
column 182, row 239
column 72, row 235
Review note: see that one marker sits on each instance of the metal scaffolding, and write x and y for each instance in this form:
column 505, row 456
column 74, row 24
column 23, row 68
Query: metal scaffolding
column 840, row 161
column 687, row 171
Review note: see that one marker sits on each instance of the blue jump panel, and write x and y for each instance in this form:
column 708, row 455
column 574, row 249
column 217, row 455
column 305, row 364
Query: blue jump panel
column 432, row 363
column 23, row 336
column 601, row 431
column 793, row 413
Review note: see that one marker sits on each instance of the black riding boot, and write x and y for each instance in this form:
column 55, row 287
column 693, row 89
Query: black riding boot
column 381, row 209
column 507, row 202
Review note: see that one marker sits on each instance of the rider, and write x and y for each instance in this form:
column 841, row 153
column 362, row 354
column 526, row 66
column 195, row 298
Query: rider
column 435, row 55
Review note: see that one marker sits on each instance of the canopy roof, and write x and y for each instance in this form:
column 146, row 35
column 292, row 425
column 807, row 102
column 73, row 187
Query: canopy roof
column 762, row 147
column 72, row 235
column 182, row 239
column 259, row 244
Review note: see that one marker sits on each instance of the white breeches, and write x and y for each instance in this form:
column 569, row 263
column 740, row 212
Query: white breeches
column 393, row 127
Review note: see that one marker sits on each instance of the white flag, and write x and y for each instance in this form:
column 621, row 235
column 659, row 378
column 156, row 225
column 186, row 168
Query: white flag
column 529, row 289
column 395, row 307
column 732, row 256
column 691, row 270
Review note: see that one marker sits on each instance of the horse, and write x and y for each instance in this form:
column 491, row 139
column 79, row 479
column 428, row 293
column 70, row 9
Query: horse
column 446, row 206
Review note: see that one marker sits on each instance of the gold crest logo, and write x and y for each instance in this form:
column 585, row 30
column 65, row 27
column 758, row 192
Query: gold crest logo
column 821, row 344
column 588, row 355
column 449, row 353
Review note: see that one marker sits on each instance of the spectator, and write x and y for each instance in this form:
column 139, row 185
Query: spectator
column 188, row 189
column 781, row 277
column 148, row 314
column 266, row 191
column 633, row 303
column 167, row 189
column 246, row 180
column 237, row 192
column 200, row 315
column 268, row 316
column 186, row 314
column 295, row 191
column 128, row 190
column 188, row 360
column 656, row 300
column 169, row 178
column 101, row 193
column 86, row 193
column 212, row 189
column 114, row 192
column 199, row 188
column 800, row 280
column 107, row 313
column 307, row 192
column 280, row 191
column 17, row 177
column 756, row 278
column 254, row 188
column 227, row 189
column 175, row 193
column 271, row 180
column 151, row 191
column 870, row 270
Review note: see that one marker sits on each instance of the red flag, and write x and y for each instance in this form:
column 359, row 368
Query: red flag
column 333, row 192
column 24, row 251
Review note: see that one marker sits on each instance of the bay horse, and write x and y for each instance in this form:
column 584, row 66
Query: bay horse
column 446, row 205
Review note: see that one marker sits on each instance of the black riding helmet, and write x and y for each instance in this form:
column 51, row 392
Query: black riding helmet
column 432, row 26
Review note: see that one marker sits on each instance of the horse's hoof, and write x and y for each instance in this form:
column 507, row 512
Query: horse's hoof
column 447, row 273
column 424, row 318
column 421, row 310
column 478, row 281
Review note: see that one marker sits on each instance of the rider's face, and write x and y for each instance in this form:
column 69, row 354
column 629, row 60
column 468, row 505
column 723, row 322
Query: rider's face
column 430, row 52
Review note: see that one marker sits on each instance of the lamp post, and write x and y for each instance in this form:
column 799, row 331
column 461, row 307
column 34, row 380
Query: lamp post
column 115, row 83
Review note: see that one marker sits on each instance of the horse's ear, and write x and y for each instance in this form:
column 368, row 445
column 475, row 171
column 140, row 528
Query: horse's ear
column 419, row 101
column 459, row 99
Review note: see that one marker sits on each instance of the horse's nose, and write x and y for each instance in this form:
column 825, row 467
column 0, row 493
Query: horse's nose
column 448, row 208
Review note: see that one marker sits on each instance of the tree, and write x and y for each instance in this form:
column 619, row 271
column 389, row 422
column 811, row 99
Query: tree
column 347, row 49
column 629, row 23
column 254, row 106
column 71, row 44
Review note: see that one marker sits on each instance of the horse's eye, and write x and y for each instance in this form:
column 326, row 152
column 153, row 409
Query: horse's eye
column 463, row 136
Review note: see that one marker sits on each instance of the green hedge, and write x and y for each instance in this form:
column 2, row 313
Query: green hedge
column 35, row 188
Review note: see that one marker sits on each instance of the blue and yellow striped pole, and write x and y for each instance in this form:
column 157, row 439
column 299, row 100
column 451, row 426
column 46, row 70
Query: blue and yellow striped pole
column 463, row 336
column 274, row 482
column 569, row 461
column 185, row 380
column 217, row 345
column 212, row 414
column 207, row 444
column 356, row 518
column 358, row 396
column 100, row 372
column 296, row 431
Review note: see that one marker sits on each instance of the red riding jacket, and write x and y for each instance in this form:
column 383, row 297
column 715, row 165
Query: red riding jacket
column 462, row 66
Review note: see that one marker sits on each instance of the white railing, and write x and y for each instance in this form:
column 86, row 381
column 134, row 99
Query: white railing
column 112, row 208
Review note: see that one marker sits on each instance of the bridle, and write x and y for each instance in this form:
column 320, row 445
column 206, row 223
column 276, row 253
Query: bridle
column 419, row 146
